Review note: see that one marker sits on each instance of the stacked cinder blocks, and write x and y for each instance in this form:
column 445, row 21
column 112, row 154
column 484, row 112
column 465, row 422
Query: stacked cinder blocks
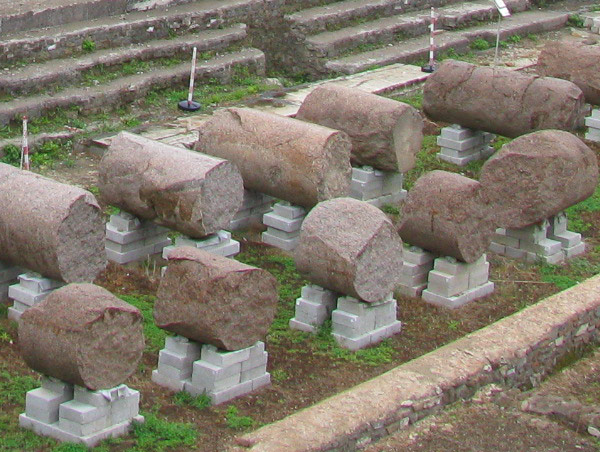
column 31, row 290
column 593, row 122
column 314, row 306
column 219, row 243
column 592, row 21
column 175, row 362
column 460, row 145
column 254, row 206
column 452, row 284
column 283, row 225
column 549, row 241
column 8, row 277
column 413, row 274
column 224, row 375
column 185, row 365
column 376, row 187
column 357, row 324
column 128, row 239
column 76, row 414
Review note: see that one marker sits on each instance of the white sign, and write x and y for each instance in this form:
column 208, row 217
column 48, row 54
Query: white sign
column 502, row 8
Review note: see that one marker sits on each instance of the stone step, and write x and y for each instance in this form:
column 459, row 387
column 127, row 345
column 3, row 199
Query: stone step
column 35, row 14
column 413, row 49
column 37, row 77
column 339, row 14
column 389, row 30
column 132, row 28
column 126, row 90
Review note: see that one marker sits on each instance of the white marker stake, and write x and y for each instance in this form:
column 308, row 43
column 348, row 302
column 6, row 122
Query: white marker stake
column 432, row 38
column 192, row 76
column 504, row 12
column 25, row 147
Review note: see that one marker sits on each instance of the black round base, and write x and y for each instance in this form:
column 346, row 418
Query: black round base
column 189, row 106
column 428, row 68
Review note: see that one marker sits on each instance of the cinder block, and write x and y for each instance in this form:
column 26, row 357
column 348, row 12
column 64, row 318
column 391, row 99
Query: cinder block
column 176, row 360
column 261, row 381
column 173, row 384
column 385, row 314
column 183, row 346
column 125, row 407
column 355, row 343
column 544, row 247
column 385, row 332
column 221, row 358
column 77, row 429
column 593, row 135
column 392, row 183
column 460, row 300
column 567, row 239
column 456, row 132
column 283, row 224
column 558, row 224
column 287, row 210
column 82, row 413
column 574, row 250
column 352, row 305
column 531, row 234
column 318, row 294
column 450, row 266
column 417, row 256
column 503, row 239
column 225, row 249
column 124, row 221
column 447, row 285
column 413, row 280
column 174, row 372
column 253, row 373
column 25, row 296
column 456, row 154
column 497, row 248
column 58, row 386
column 515, row 253
column 351, row 325
column 286, row 244
column 37, row 283
column 461, row 145
column 479, row 276
column 312, row 313
column 593, row 123
column 282, row 234
column 364, row 174
column 259, row 360
column 43, row 405
column 296, row 324
column 411, row 291
column 224, row 395
column 459, row 161
column 414, row 269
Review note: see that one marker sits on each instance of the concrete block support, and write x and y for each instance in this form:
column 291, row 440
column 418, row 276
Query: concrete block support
column 175, row 362
column 8, row 277
column 460, row 145
column 219, row 243
column 549, row 241
column 357, row 324
column 254, row 206
column 452, row 283
column 414, row 272
column 75, row 414
column 376, row 187
column 283, row 225
column 31, row 290
column 312, row 308
column 128, row 239
column 593, row 123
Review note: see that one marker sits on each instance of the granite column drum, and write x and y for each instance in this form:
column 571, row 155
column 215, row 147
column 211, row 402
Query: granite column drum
column 192, row 193
column 83, row 335
column 385, row 134
column 501, row 101
column 291, row 160
column 49, row 227
column 351, row 247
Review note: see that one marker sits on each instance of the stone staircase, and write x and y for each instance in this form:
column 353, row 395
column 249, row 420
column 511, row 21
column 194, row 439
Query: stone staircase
column 354, row 35
column 129, row 52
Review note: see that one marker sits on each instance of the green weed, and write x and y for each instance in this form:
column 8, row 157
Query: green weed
column 155, row 336
column 480, row 44
column 88, row 45
column 279, row 375
column 200, row 402
column 237, row 422
column 575, row 20
column 157, row 435
column 12, row 155
column 514, row 39
column 576, row 222
column 392, row 210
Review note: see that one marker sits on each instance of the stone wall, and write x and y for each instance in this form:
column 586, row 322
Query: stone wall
column 516, row 351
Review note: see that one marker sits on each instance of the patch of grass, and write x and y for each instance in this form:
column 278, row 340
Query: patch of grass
column 414, row 100
column 500, row 141
column 13, row 387
column 200, row 402
column 279, row 375
column 532, row 37
column 157, row 435
column 480, row 44
column 575, row 20
column 565, row 276
column 12, row 155
column 514, row 39
column 237, row 422
column 51, row 152
column 389, row 209
column 426, row 161
column 576, row 221
column 155, row 336
column 88, row 45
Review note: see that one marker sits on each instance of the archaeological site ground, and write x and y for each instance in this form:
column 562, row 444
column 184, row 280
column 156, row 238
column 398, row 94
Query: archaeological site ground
column 299, row 225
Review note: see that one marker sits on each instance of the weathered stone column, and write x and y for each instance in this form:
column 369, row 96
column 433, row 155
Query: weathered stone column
column 193, row 193
column 282, row 157
column 48, row 227
column 386, row 134
column 501, row 101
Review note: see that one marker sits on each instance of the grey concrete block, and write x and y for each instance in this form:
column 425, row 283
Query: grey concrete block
column 351, row 325
column 364, row 174
column 16, row 310
column 124, row 221
column 479, row 276
column 497, row 248
column 132, row 256
column 183, row 346
column 125, row 407
column 459, row 161
column 225, row 249
column 558, row 224
column 256, row 360
column 43, row 405
column 173, row 384
column 575, row 250
column 225, row 395
column 352, row 305
column 253, row 373
column 282, row 234
column 456, row 132
column 213, row 355
column 284, row 224
column 593, row 135
column 595, row 113
column 261, row 381
column 455, row 154
column 544, row 247
column 411, row 291
column 215, row 378
column 531, row 234
column 503, row 239
column 25, row 296
column 567, row 239
column 311, row 313
column 296, row 324
column 174, row 372
column 318, row 294
column 414, row 269
column 385, row 314
column 392, row 183
column 592, row 123
column 386, row 331
column 466, row 144
column 412, row 280
column 460, row 300
column 176, row 360
column 286, row 244
column 416, row 255
column 447, row 285
column 82, row 430
column 515, row 253
column 36, row 283
column 58, row 386
column 287, row 210
column 82, row 413
column 143, row 232
column 355, row 343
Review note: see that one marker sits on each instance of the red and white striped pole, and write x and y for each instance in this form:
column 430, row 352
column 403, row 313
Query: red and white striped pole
column 25, row 147
column 432, row 31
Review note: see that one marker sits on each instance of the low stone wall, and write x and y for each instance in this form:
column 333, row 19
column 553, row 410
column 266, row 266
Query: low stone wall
column 516, row 351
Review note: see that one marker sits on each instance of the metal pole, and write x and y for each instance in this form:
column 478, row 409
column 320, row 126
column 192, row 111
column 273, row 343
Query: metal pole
column 497, row 41
column 25, row 147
